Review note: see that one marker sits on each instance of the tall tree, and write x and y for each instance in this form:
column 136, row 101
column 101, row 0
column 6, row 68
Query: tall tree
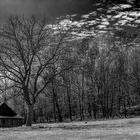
column 28, row 50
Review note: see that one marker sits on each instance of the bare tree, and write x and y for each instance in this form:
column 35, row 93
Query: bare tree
column 28, row 50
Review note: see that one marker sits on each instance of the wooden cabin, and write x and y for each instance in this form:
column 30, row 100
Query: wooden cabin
column 8, row 117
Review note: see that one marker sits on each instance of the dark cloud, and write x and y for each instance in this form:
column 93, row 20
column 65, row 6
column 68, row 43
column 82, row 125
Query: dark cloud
column 39, row 7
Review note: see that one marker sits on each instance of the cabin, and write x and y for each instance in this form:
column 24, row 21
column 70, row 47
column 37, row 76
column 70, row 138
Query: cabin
column 8, row 117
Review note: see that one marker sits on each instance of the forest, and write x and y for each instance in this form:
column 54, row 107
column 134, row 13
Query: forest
column 51, row 73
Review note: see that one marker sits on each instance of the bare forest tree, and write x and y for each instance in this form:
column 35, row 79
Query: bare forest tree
column 28, row 51
column 64, row 77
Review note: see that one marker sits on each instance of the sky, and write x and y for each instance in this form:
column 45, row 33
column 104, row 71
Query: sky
column 23, row 7
column 37, row 7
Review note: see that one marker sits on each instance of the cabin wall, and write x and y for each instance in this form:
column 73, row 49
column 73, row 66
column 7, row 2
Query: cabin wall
column 6, row 122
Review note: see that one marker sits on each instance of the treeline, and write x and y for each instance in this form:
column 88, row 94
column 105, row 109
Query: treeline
column 48, row 74
column 103, row 82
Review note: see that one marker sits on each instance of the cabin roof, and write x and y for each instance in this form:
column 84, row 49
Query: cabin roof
column 5, row 110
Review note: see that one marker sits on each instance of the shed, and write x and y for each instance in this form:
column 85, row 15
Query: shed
column 8, row 117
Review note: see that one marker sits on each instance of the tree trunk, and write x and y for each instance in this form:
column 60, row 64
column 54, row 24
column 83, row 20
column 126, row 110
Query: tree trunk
column 69, row 102
column 89, row 109
column 125, row 110
column 80, row 109
column 95, row 110
column 83, row 95
column 60, row 118
column 119, row 105
column 29, row 115
column 54, row 108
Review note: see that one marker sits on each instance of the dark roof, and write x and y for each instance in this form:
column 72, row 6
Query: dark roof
column 5, row 110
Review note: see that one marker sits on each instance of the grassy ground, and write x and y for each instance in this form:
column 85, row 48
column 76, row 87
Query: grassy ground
column 120, row 129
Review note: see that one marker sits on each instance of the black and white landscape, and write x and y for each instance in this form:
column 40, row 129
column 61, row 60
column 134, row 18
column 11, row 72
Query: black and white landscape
column 69, row 69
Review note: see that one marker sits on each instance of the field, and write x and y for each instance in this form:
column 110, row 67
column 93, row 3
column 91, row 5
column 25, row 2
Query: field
column 119, row 129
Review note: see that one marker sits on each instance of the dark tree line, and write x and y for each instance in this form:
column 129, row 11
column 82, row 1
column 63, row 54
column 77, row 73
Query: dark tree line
column 51, row 77
column 105, row 83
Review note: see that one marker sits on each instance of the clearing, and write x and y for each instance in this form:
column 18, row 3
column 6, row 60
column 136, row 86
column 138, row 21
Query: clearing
column 119, row 129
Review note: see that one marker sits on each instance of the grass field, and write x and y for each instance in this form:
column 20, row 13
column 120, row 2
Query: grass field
column 119, row 129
